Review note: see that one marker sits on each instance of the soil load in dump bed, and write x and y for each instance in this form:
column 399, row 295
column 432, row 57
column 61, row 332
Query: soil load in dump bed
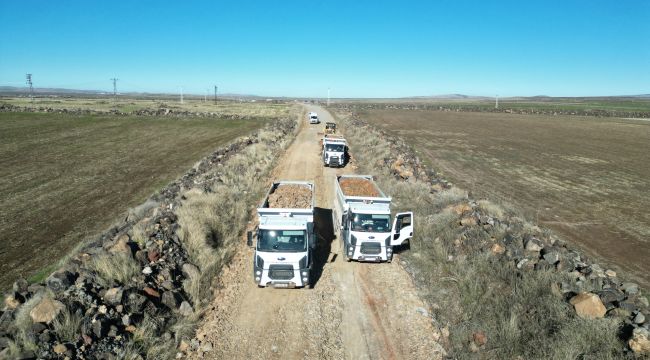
column 358, row 187
column 290, row 197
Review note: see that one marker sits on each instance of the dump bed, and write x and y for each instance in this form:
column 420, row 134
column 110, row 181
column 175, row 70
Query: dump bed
column 289, row 199
column 359, row 189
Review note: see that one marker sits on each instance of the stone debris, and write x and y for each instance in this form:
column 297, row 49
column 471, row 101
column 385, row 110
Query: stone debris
column 588, row 306
column 291, row 196
column 358, row 187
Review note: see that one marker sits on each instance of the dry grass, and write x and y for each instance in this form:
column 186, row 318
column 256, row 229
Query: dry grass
column 66, row 325
column 583, row 177
column 212, row 223
column 469, row 290
column 68, row 177
column 225, row 107
column 112, row 268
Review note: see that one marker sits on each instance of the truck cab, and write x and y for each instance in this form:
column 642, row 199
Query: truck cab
column 368, row 232
column 284, row 243
column 313, row 118
column 334, row 152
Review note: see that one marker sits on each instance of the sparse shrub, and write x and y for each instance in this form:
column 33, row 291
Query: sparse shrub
column 470, row 289
column 114, row 267
column 66, row 325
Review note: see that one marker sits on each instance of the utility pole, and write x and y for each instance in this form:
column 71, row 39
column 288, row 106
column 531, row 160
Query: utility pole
column 114, row 88
column 181, row 94
column 328, row 96
column 31, row 87
column 496, row 102
column 215, row 94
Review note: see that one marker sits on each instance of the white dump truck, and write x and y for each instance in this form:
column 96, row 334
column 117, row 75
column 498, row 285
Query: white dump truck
column 313, row 118
column 285, row 236
column 362, row 214
column 335, row 150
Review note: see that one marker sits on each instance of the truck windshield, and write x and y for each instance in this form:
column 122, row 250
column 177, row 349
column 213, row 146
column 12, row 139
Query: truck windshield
column 371, row 222
column 334, row 147
column 282, row 240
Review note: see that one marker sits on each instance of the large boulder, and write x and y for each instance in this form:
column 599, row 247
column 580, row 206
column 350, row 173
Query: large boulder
column 588, row 306
column 114, row 295
column 60, row 281
column 640, row 341
column 46, row 310
column 190, row 271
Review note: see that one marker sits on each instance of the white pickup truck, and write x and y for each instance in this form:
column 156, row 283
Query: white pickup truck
column 335, row 150
column 285, row 236
column 313, row 118
column 363, row 216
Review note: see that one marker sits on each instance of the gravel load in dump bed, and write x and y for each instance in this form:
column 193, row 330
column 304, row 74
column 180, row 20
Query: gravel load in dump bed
column 358, row 187
column 290, row 197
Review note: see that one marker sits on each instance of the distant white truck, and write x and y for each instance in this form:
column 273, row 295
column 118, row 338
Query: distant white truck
column 313, row 118
column 362, row 214
column 335, row 150
column 285, row 236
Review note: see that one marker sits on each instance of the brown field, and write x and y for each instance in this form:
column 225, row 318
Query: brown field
column 586, row 178
column 67, row 177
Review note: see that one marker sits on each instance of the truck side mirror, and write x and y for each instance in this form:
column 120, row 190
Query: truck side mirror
column 249, row 239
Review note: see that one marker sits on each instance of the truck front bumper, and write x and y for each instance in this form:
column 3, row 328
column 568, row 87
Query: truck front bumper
column 267, row 278
column 361, row 253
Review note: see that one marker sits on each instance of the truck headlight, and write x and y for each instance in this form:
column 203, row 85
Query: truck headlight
column 389, row 249
column 305, row 280
column 305, row 273
column 257, row 278
column 258, row 273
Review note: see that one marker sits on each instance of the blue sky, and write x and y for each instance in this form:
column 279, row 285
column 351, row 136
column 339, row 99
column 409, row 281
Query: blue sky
column 356, row 48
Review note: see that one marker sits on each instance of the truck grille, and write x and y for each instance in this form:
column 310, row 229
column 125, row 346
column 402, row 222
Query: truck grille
column 371, row 248
column 281, row 272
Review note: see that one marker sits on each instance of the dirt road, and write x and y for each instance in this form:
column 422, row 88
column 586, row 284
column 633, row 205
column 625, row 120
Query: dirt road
column 354, row 310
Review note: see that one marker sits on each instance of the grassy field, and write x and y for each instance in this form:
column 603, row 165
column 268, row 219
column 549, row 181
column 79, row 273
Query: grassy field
column 586, row 178
column 225, row 107
column 618, row 104
column 67, row 177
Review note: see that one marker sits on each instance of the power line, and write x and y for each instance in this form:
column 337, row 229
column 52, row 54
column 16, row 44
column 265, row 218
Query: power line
column 114, row 87
column 31, row 87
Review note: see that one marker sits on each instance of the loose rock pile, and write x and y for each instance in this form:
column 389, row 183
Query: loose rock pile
column 127, row 281
column 291, row 197
column 358, row 187
column 594, row 292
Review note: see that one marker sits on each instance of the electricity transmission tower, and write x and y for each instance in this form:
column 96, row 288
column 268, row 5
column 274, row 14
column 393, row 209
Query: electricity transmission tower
column 216, row 88
column 114, row 88
column 31, row 87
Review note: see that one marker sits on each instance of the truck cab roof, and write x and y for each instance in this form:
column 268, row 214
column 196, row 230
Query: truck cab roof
column 283, row 223
column 375, row 208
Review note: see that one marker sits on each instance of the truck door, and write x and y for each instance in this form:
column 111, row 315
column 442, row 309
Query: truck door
column 402, row 228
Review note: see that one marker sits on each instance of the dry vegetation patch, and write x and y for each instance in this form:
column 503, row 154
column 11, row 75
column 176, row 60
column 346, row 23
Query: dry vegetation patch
column 585, row 178
column 498, row 285
column 67, row 177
